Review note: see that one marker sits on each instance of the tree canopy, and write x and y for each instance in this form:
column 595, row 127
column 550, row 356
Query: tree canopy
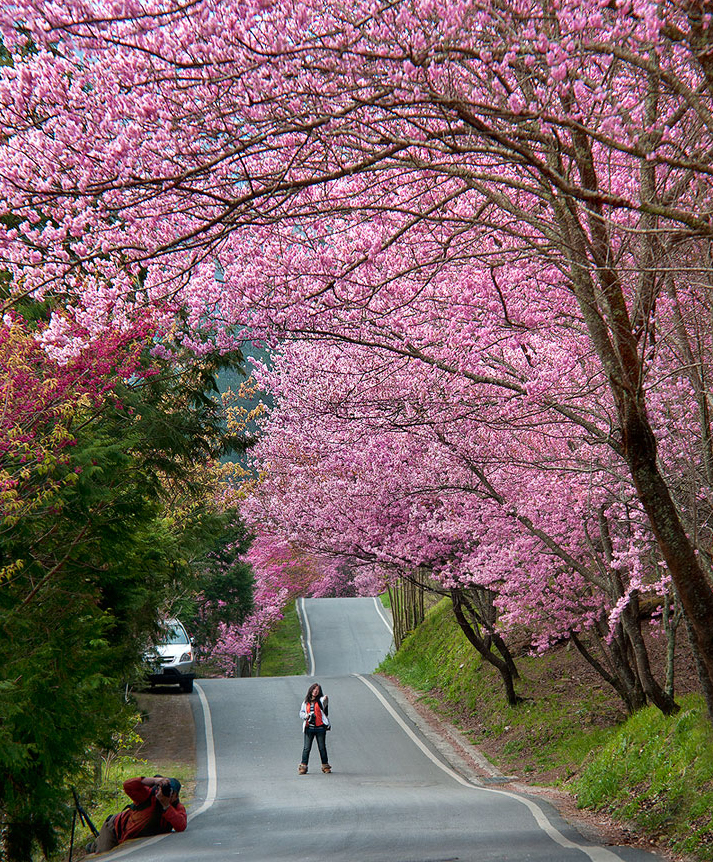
column 487, row 225
column 104, row 466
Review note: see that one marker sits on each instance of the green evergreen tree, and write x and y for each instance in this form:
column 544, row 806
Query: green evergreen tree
column 224, row 586
column 90, row 573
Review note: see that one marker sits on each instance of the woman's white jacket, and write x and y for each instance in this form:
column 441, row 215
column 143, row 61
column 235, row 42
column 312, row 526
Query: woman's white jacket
column 303, row 713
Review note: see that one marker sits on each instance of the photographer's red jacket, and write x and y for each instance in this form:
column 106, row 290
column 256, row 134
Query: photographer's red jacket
column 151, row 820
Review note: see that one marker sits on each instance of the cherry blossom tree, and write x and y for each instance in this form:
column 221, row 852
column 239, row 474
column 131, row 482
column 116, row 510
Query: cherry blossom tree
column 282, row 573
column 44, row 401
column 515, row 194
column 399, row 474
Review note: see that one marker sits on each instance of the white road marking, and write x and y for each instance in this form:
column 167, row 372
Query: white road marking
column 412, row 736
column 210, row 756
column 308, row 636
column 382, row 614
column 596, row 854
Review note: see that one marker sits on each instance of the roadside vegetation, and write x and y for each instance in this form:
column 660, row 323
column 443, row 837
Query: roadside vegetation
column 282, row 653
column 108, row 512
column 131, row 754
column 649, row 771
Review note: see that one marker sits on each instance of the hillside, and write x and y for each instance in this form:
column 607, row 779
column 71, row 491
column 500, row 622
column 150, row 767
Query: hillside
column 653, row 775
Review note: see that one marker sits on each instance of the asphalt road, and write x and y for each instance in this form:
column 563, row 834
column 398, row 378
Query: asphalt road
column 344, row 636
column 390, row 798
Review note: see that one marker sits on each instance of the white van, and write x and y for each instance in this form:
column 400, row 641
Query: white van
column 170, row 659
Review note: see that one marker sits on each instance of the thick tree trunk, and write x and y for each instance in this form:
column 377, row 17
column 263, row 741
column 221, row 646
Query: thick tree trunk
column 502, row 648
column 671, row 617
column 479, row 602
column 707, row 686
column 687, row 574
column 625, row 685
column 605, row 311
column 610, row 329
column 654, row 692
column 502, row 666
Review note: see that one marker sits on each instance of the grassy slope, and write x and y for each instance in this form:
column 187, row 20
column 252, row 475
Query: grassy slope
column 282, row 653
column 648, row 770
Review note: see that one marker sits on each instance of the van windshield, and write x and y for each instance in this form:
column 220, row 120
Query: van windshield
column 175, row 635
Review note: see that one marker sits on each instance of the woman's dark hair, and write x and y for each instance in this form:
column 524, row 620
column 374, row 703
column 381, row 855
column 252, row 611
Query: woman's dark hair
column 309, row 692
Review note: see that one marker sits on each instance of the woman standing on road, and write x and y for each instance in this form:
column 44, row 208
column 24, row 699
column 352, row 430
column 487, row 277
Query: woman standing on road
column 313, row 713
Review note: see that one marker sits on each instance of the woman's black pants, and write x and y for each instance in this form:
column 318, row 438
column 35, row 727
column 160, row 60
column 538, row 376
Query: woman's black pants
column 320, row 734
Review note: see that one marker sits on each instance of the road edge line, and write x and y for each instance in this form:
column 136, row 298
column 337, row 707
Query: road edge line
column 211, row 767
column 307, row 636
column 380, row 612
column 596, row 854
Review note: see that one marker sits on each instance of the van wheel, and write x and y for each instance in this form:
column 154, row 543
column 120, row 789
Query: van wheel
column 187, row 686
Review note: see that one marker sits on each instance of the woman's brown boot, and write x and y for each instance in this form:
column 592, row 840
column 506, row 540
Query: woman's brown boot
column 302, row 768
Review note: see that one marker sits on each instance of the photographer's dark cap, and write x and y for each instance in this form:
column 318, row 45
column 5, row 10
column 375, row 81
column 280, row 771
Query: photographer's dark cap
column 175, row 785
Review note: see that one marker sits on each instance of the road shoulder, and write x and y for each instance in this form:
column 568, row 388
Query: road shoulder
column 464, row 757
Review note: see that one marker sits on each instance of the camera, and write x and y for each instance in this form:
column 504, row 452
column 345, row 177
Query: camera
column 165, row 787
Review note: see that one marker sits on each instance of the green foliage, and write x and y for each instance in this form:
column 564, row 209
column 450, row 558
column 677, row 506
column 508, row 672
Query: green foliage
column 223, row 587
column 92, row 575
column 179, row 414
column 282, row 653
column 657, row 771
column 89, row 574
column 60, row 696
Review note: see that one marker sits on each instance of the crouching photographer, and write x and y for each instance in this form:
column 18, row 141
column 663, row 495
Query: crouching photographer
column 154, row 809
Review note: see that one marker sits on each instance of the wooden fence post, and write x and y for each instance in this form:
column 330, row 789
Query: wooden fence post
column 407, row 604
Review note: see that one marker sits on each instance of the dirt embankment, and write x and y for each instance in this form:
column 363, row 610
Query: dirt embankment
column 169, row 734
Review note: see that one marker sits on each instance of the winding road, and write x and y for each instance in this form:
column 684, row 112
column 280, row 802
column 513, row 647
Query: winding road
column 392, row 796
